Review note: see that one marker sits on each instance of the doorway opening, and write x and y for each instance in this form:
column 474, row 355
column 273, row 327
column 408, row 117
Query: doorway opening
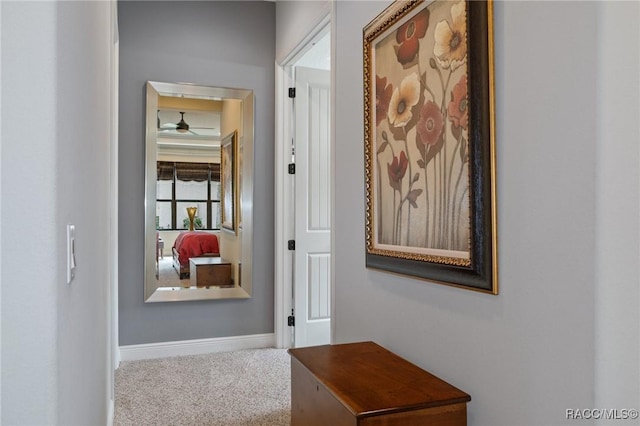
column 304, row 194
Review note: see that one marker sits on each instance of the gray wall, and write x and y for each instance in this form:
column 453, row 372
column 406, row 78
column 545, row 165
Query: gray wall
column 530, row 353
column 228, row 44
column 295, row 20
column 55, row 170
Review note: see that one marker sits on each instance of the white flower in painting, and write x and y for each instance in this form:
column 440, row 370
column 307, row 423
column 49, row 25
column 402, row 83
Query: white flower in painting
column 450, row 47
column 403, row 99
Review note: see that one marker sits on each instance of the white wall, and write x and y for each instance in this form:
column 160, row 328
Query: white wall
column 29, row 222
column 618, row 209
column 55, row 170
column 84, row 42
column 528, row 354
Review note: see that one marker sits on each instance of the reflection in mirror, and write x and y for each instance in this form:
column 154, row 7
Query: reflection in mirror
column 198, row 192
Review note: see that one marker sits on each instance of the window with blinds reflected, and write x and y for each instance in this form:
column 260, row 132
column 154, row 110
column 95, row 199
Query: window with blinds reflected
column 181, row 185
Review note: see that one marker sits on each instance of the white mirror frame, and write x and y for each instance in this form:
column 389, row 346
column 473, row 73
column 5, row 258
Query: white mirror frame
column 153, row 293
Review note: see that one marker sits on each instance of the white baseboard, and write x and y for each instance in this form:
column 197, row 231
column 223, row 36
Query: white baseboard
column 111, row 412
column 196, row 347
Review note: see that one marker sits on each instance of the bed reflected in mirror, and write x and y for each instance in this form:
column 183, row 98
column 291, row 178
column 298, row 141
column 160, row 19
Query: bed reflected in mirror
column 199, row 180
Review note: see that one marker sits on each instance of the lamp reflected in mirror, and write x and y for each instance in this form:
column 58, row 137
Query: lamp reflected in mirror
column 191, row 212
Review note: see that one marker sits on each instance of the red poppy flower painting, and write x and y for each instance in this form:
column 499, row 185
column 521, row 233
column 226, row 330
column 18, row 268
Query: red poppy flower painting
column 430, row 124
column 419, row 135
column 383, row 96
column 409, row 34
column 415, row 96
column 397, row 169
column 458, row 113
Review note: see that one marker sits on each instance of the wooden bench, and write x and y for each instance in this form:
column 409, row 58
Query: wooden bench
column 363, row 384
column 210, row 272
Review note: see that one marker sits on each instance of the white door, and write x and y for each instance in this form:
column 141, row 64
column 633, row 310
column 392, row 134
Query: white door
column 312, row 262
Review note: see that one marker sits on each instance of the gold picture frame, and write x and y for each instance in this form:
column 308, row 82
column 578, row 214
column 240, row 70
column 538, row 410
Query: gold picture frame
column 429, row 142
column 229, row 182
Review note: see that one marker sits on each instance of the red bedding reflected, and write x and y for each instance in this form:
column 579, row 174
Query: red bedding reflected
column 195, row 243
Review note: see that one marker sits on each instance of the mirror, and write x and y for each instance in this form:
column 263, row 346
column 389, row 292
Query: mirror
column 198, row 192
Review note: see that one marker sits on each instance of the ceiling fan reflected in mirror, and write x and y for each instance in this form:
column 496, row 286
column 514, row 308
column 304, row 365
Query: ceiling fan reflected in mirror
column 182, row 126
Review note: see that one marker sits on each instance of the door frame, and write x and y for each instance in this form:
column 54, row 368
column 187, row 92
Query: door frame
column 284, row 217
column 113, row 357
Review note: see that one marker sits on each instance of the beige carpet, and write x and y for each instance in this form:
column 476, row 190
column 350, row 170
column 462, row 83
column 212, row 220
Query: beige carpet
column 243, row 388
column 167, row 274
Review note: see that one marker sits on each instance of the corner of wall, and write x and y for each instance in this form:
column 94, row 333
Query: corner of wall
column 617, row 310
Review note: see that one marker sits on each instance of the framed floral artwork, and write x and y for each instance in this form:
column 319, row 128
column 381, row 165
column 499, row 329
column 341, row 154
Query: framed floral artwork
column 229, row 182
column 429, row 142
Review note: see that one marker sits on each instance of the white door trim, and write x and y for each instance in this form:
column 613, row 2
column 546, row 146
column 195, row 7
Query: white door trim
column 113, row 357
column 283, row 260
column 332, row 166
column 283, row 195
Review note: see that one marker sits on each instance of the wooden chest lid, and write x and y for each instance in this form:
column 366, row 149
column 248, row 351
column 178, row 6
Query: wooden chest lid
column 368, row 379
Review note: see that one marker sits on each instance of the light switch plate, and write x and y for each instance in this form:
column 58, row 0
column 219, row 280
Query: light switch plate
column 71, row 253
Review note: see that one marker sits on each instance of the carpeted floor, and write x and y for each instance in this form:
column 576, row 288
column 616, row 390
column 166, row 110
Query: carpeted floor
column 167, row 275
column 244, row 388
